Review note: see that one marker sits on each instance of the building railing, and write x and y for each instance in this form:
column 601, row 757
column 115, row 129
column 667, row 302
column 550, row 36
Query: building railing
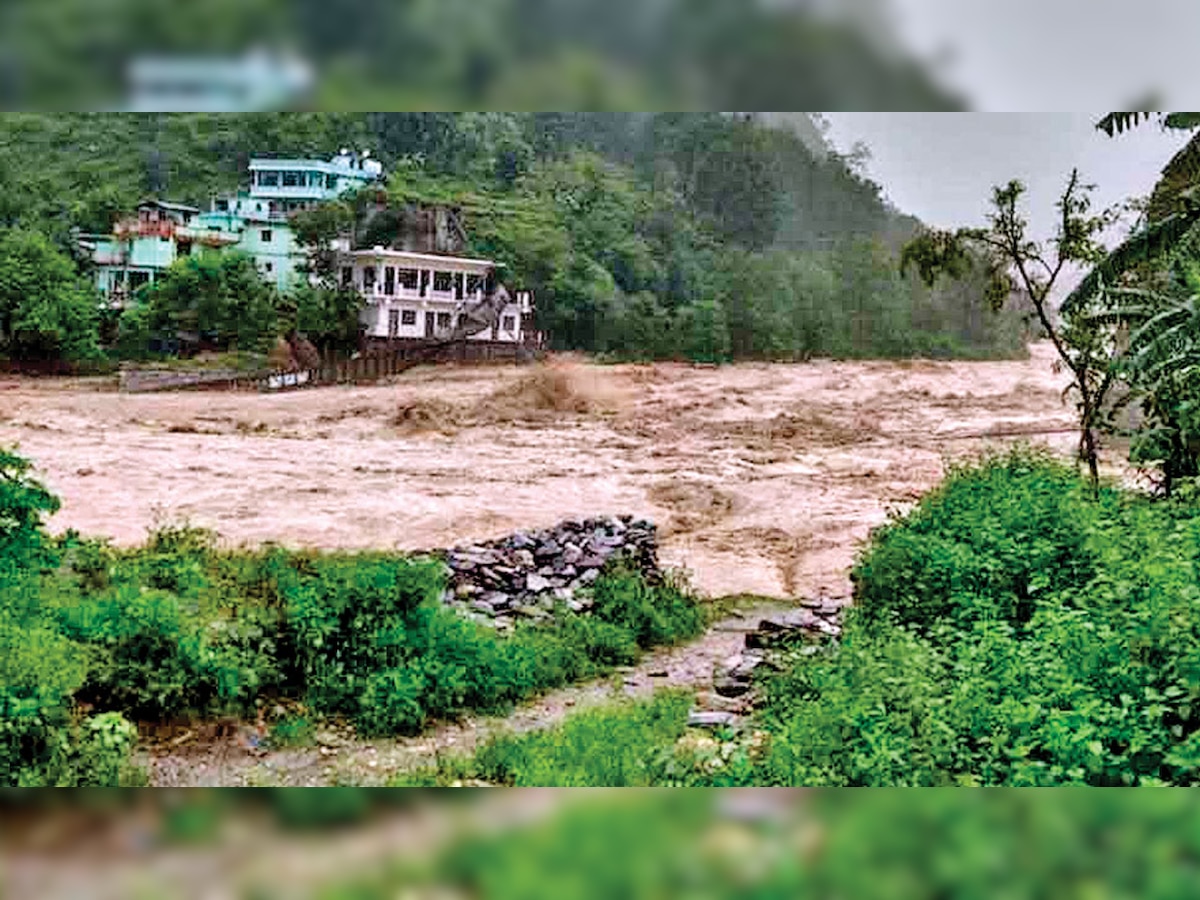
column 378, row 292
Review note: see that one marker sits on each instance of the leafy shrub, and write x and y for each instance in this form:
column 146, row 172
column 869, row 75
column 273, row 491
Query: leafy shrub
column 146, row 651
column 292, row 731
column 654, row 615
column 614, row 746
column 1095, row 682
column 986, row 544
column 23, row 503
column 39, row 672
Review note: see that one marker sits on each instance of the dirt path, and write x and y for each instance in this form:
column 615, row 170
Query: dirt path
column 764, row 478
column 340, row 759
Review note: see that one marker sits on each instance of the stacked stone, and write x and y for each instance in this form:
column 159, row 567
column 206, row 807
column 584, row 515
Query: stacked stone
column 807, row 627
column 528, row 574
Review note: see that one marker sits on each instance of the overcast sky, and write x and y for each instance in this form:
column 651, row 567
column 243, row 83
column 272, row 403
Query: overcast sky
column 941, row 167
column 1057, row 54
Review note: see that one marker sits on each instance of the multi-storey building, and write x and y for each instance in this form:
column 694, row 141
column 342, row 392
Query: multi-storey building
column 141, row 248
column 418, row 296
column 255, row 221
column 280, row 188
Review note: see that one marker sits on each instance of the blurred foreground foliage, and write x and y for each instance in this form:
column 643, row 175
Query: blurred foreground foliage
column 649, row 844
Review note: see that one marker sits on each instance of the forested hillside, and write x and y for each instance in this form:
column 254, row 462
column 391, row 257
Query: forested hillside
column 704, row 235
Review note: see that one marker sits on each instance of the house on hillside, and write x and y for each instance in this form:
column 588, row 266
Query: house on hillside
column 143, row 246
column 412, row 296
column 280, row 188
column 255, row 221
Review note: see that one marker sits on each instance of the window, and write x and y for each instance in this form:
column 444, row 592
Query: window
column 408, row 317
column 510, row 323
column 268, row 179
column 291, row 179
column 443, row 281
column 443, row 320
column 266, row 236
column 369, row 278
column 409, row 279
column 223, row 206
column 315, row 179
column 347, row 276
column 330, row 182
column 474, row 283
column 393, row 322
column 270, row 267
column 389, row 280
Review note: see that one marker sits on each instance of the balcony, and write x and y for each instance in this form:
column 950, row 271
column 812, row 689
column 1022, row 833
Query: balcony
column 377, row 294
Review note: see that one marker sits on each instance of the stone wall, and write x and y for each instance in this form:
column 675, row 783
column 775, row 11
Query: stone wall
column 527, row 573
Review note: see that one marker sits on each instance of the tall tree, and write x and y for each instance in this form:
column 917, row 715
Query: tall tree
column 1016, row 261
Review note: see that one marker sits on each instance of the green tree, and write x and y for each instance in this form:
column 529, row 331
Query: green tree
column 1015, row 261
column 47, row 312
column 216, row 295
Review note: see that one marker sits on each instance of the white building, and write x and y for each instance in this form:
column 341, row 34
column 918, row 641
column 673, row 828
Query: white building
column 413, row 296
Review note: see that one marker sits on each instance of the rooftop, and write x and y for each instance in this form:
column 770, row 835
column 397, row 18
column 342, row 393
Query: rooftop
column 362, row 166
column 425, row 258
column 165, row 204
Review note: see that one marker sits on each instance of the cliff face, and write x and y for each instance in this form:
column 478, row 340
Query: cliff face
column 416, row 228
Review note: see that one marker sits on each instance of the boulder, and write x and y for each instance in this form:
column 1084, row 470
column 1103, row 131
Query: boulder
column 537, row 583
column 714, row 720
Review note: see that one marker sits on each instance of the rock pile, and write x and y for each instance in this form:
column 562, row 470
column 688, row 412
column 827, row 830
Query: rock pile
column 528, row 574
column 806, row 628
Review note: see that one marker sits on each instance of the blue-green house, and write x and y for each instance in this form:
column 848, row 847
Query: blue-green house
column 141, row 248
column 255, row 222
column 280, row 188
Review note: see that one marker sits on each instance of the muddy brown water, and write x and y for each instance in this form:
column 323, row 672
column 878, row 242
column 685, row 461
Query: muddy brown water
column 763, row 478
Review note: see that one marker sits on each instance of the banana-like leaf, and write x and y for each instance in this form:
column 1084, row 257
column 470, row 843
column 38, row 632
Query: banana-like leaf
column 1153, row 242
column 1180, row 174
column 1119, row 122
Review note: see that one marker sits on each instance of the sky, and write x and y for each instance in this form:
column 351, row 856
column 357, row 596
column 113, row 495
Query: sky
column 941, row 167
column 1023, row 55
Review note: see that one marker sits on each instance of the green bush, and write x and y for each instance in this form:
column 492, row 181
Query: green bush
column 654, row 615
column 292, row 731
column 987, row 544
column 23, row 503
column 1092, row 678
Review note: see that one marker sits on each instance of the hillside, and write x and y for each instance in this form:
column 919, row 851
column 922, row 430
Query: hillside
column 648, row 235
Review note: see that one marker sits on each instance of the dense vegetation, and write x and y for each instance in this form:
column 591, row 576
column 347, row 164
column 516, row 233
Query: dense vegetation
column 182, row 628
column 706, row 236
column 1012, row 629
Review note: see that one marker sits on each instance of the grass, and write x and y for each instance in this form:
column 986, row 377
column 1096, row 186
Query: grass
column 622, row 744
